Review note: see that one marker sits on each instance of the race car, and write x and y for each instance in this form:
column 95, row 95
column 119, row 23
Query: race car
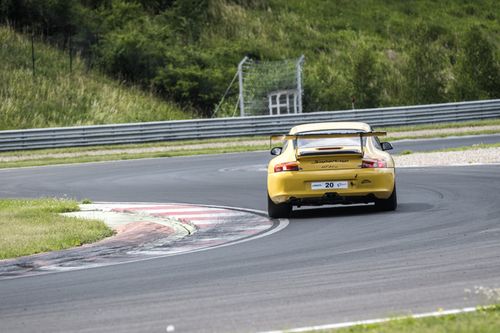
column 330, row 163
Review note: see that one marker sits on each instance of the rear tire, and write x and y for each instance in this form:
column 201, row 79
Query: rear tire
column 277, row 211
column 388, row 204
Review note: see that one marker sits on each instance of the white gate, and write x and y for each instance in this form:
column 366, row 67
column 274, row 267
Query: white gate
column 283, row 102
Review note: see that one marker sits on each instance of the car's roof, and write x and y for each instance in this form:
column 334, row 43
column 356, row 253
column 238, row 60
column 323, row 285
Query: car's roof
column 347, row 125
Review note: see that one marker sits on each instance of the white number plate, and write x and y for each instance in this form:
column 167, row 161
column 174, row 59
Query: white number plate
column 329, row 185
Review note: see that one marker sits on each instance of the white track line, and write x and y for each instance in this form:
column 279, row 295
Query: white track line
column 374, row 321
column 153, row 209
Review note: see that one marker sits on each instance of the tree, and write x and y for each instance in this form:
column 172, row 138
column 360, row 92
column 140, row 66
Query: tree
column 366, row 80
column 424, row 73
column 477, row 74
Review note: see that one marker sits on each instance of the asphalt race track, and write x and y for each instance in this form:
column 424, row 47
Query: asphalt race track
column 329, row 265
column 437, row 144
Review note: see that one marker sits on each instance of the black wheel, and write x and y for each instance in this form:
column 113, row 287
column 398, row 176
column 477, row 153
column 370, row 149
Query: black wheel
column 388, row 204
column 275, row 211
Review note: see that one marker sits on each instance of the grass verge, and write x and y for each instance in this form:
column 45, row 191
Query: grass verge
column 34, row 226
column 484, row 320
column 463, row 148
column 128, row 156
column 478, row 146
column 440, row 135
column 458, row 124
column 175, row 145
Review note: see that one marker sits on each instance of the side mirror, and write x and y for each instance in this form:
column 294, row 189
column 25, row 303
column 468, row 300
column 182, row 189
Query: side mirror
column 386, row 146
column 276, row 151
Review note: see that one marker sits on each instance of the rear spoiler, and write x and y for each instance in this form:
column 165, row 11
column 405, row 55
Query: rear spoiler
column 295, row 137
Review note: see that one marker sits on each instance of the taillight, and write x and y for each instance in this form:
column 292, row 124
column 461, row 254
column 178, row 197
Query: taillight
column 287, row 166
column 373, row 163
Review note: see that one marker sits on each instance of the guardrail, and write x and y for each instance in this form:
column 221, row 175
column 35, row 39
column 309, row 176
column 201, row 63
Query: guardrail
column 231, row 127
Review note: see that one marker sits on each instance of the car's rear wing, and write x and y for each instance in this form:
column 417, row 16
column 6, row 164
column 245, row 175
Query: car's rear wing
column 324, row 135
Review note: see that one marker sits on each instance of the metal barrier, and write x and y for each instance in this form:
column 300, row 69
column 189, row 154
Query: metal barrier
column 246, row 126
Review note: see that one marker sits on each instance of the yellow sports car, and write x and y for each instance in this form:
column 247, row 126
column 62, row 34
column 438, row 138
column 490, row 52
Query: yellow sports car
column 330, row 163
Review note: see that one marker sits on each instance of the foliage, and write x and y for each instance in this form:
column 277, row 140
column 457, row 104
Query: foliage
column 367, row 85
column 383, row 52
column 425, row 80
column 55, row 97
column 477, row 72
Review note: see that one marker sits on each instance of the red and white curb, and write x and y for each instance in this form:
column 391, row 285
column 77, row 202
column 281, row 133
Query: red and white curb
column 146, row 231
column 374, row 321
column 213, row 225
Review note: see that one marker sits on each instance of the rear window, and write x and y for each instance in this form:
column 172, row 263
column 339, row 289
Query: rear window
column 330, row 142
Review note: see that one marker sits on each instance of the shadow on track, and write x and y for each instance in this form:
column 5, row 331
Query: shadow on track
column 333, row 211
column 358, row 210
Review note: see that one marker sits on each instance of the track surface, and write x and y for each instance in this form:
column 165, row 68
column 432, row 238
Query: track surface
column 328, row 265
column 437, row 144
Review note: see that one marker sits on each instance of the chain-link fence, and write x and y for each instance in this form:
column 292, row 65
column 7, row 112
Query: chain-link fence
column 270, row 87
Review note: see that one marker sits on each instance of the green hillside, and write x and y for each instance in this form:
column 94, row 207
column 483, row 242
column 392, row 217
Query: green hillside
column 382, row 52
column 56, row 97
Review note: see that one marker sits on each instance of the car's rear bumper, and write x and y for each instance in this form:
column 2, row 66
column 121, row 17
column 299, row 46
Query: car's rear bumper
column 365, row 185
